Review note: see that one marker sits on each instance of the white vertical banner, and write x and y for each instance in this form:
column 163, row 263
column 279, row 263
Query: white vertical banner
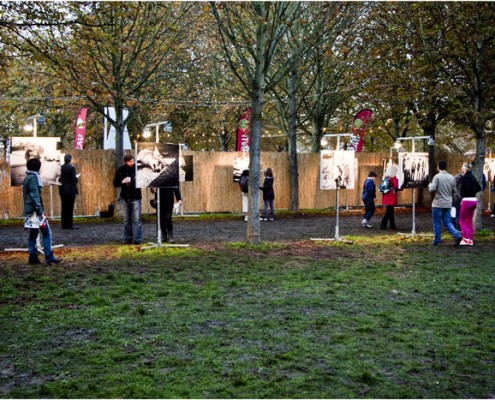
column 109, row 134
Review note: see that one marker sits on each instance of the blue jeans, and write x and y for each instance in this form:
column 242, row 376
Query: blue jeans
column 47, row 242
column 369, row 209
column 443, row 215
column 269, row 203
column 131, row 212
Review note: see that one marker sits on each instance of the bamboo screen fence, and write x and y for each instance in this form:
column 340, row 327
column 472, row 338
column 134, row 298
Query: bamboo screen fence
column 212, row 188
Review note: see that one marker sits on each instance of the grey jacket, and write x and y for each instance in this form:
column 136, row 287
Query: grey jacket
column 444, row 188
column 31, row 194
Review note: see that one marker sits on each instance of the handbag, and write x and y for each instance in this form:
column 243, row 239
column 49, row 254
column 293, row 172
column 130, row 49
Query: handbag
column 453, row 212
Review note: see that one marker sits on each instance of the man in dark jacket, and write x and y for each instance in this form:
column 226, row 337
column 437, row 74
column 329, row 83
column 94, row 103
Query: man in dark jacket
column 130, row 201
column 68, row 191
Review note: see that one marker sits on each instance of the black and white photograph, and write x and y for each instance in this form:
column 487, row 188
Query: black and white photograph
column 337, row 169
column 186, row 169
column 157, row 165
column 46, row 149
column 489, row 169
column 413, row 170
column 240, row 164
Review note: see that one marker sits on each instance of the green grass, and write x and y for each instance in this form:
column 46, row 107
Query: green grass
column 375, row 319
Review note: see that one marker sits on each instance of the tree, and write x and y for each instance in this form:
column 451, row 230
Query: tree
column 311, row 90
column 251, row 34
column 466, row 62
column 113, row 54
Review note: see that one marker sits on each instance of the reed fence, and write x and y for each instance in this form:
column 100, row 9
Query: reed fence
column 213, row 188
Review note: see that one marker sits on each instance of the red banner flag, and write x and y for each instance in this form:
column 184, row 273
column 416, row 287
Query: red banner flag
column 244, row 131
column 359, row 126
column 80, row 129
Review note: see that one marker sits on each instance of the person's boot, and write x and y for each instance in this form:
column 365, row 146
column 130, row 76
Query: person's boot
column 170, row 237
column 33, row 259
column 164, row 237
column 53, row 261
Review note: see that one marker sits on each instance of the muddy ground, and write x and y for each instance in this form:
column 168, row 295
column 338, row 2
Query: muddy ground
column 192, row 230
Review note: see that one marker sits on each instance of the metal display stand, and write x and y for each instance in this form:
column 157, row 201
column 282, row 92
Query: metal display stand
column 431, row 142
column 159, row 242
column 337, row 195
column 336, row 237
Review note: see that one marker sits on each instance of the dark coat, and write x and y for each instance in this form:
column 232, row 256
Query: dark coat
column 469, row 185
column 267, row 188
column 128, row 192
column 68, row 180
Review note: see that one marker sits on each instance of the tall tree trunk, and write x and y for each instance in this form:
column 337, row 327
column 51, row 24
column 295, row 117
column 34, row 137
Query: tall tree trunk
column 316, row 128
column 292, row 144
column 479, row 162
column 253, row 226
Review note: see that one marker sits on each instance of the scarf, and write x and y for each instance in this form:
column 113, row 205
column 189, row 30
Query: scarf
column 38, row 177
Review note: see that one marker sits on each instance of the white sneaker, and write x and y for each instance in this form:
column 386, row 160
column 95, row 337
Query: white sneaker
column 364, row 222
column 466, row 242
column 367, row 226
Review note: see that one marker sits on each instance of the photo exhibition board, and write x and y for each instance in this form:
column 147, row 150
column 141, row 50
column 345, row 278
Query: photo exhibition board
column 157, row 165
column 388, row 166
column 240, row 164
column 489, row 169
column 46, row 149
column 186, row 169
column 337, row 169
column 413, row 170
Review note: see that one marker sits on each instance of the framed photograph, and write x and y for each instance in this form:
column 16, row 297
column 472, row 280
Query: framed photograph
column 240, row 164
column 489, row 169
column 413, row 170
column 337, row 169
column 46, row 149
column 186, row 169
column 157, row 165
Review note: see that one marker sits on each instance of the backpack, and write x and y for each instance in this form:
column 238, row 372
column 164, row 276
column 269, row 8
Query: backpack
column 243, row 183
column 384, row 185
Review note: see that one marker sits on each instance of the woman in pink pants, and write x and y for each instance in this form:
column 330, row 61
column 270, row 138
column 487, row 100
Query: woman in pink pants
column 469, row 187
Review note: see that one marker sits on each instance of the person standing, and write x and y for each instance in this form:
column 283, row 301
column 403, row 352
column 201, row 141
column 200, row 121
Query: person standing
column 469, row 187
column 130, row 201
column 458, row 198
column 368, row 196
column 443, row 188
column 33, row 203
column 390, row 199
column 268, row 194
column 244, row 185
column 68, row 192
column 166, row 206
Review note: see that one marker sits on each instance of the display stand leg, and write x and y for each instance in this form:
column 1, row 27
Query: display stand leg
column 39, row 247
column 337, row 237
column 159, row 230
column 413, row 231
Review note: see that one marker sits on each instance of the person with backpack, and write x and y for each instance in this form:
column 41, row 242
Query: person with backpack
column 469, row 187
column 244, row 185
column 389, row 187
column 368, row 196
